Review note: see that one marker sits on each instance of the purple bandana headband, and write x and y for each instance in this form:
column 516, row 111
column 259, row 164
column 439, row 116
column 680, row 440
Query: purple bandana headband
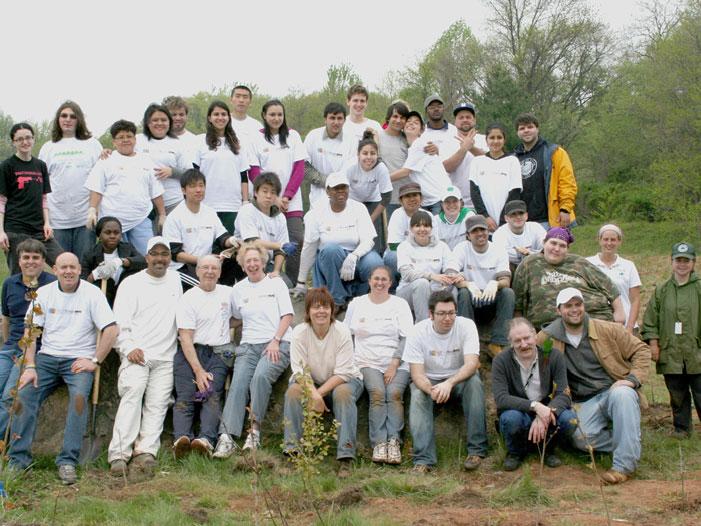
column 557, row 232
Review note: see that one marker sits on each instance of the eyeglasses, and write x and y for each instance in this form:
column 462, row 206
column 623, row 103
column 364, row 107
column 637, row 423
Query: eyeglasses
column 159, row 254
column 449, row 314
column 71, row 116
column 24, row 139
column 124, row 137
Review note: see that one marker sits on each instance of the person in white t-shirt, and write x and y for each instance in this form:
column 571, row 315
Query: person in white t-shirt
column 495, row 178
column 621, row 271
column 485, row 281
column 280, row 150
column 321, row 356
column 262, row 305
column 69, row 157
column 179, row 110
column 519, row 237
column 422, row 167
column 245, row 126
column 449, row 224
column 71, row 312
column 443, row 356
column 203, row 360
column 343, row 234
column 225, row 164
column 398, row 228
column 423, row 261
column 379, row 323
column 328, row 149
column 125, row 186
column 357, row 123
column 437, row 128
column 148, row 338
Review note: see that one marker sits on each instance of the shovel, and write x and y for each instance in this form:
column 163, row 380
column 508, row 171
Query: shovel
column 92, row 445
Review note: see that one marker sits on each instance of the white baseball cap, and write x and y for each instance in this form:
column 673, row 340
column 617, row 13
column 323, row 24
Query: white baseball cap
column 567, row 294
column 336, row 179
column 158, row 240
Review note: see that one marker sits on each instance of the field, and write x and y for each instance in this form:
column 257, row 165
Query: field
column 202, row 491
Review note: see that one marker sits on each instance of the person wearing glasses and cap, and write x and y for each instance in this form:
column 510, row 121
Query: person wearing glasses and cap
column 672, row 327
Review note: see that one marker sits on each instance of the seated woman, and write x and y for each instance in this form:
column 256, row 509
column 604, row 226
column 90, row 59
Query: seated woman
column 111, row 258
column 379, row 323
column 262, row 304
column 321, row 354
column 422, row 260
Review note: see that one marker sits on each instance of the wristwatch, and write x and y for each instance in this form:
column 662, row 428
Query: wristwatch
column 533, row 404
column 96, row 361
column 277, row 339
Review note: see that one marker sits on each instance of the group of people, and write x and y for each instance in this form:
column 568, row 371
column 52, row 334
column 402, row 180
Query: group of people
column 187, row 253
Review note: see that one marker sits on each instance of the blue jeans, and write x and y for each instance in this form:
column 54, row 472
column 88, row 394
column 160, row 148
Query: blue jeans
column 620, row 406
column 253, row 374
column 50, row 371
column 328, row 265
column 139, row 235
column 505, row 301
column 9, row 373
column 470, row 393
column 515, row 425
column 345, row 410
column 390, row 259
column 386, row 411
column 76, row 240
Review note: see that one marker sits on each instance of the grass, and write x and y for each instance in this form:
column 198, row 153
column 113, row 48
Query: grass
column 522, row 492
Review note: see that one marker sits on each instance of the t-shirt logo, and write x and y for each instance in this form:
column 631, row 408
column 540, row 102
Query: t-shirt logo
column 245, row 300
column 362, row 320
column 528, row 167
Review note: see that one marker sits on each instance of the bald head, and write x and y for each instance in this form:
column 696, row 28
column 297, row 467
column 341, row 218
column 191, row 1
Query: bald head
column 67, row 270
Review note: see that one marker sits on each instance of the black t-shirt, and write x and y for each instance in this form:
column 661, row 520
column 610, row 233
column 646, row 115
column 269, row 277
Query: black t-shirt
column 534, row 193
column 24, row 183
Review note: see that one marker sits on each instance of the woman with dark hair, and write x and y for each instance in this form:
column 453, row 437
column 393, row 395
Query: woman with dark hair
column 24, row 212
column 69, row 156
column 321, row 355
column 280, row 150
column 495, row 178
column 111, row 258
column 219, row 157
column 170, row 155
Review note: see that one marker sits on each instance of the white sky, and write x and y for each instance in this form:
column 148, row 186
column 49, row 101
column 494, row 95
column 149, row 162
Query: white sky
column 114, row 58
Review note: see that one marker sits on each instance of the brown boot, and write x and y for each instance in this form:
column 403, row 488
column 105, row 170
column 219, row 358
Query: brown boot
column 493, row 349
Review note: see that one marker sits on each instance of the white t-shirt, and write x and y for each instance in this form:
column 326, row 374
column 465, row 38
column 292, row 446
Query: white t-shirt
column 197, row 232
column 441, row 138
column 327, row 155
column 531, row 238
column 69, row 162
column 398, row 229
column 71, row 321
column 433, row 259
column 451, row 233
column 496, row 178
column 261, row 305
column 188, row 143
column 461, row 175
column 208, row 313
column 367, row 187
column 480, row 268
column 442, row 354
column 251, row 222
column 325, row 357
column 428, row 171
column 166, row 152
column 245, row 130
column 345, row 228
column 145, row 309
column 624, row 274
column 127, row 185
column 355, row 130
column 271, row 157
column 222, row 168
column 377, row 329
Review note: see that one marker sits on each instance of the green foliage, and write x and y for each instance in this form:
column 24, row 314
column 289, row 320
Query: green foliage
column 415, row 489
column 521, row 492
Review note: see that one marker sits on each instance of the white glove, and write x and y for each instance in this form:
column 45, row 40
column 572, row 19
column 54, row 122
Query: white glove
column 474, row 290
column 235, row 243
column 107, row 269
column 161, row 222
column 92, row 218
column 348, row 267
column 489, row 293
column 299, row 291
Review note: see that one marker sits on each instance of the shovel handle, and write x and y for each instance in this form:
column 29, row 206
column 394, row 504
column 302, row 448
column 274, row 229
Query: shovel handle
column 96, row 381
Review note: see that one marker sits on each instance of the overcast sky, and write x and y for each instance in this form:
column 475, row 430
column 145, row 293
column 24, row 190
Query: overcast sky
column 114, row 58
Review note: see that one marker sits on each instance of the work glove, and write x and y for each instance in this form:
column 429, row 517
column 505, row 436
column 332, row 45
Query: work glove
column 348, row 268
column 299, row 291
column 489, row 293
column 92, row 218
column 107, row 269
column 161, row 222
column 474, row 291
column 235, row 242
column 289, row 248
column 203, row 396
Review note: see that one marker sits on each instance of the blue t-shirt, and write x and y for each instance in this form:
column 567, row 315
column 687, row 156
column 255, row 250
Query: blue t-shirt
column 15, row 304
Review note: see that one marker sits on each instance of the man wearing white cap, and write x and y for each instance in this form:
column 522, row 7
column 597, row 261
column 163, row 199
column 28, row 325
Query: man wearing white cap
column 145, row 312
column 606, row 366
column 343, row 234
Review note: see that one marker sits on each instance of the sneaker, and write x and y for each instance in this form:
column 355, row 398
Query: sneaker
column 252, row 442
column 181, row 447
column 512, row 462
column 421, row 469
column 472, row 462
column 394, row 452
column 202, row 446
column 379, row 453
column 67, row 474
column 225, row 447
column 118, row 467
column 552, row 459
column 146, row 460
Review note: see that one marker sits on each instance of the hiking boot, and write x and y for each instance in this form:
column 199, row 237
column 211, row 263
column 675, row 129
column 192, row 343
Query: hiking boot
column 472, row 462
column 145, row 460
column 344, row 468
column 202, row 446
column 394, row 452
column 252, row 442
column 552, row 459
column 680, row 434
column 379, row 453
column 225, row 447
column 181, row 447
column 118, row 467
column 493, row 349
column 512, row 462
column 421, row 469
column 67, row 474
column 613, row 476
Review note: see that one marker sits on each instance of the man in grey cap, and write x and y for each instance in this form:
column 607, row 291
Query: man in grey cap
column 438, row 130
column 606, row 365
column 519, row 237
column 486, row 281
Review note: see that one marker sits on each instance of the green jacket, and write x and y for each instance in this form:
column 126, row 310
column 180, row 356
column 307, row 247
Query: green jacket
column 671, row 303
